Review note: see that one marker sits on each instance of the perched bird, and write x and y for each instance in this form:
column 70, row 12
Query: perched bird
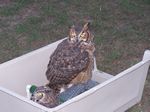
column 72, row 61
column 45, row 96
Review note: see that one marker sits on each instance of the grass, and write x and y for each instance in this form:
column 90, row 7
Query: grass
column 31, row 27
column 129, row 5
column 98, row 39
column 113, row 55
column 9, row 10
column 121, row 30
column 22, row 28
column 14, row 8
column 49, row 10
column 146, row 1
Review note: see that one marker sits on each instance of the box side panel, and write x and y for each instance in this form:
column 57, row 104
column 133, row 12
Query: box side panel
column 112, row 94
column 139, row 95
column 128, row 105
column 10, row 103
column 100, row 76
column 27, row 69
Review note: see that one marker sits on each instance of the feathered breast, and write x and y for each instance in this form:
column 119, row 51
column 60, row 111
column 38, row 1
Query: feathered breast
column 66, row 62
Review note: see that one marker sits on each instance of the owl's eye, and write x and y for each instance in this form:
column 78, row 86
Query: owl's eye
column 73, row 35
column 83, row 36
column 39, row 95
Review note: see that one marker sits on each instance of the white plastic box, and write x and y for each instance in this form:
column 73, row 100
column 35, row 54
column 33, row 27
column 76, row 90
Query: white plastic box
column 113, row 94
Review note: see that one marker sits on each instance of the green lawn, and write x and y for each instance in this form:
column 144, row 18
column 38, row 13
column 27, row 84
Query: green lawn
column 121, row 29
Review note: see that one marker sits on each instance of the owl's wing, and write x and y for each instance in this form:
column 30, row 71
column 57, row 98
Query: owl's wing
column 65, row 63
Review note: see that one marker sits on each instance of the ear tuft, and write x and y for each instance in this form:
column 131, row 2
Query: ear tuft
column 72, row 32
column 86, row 26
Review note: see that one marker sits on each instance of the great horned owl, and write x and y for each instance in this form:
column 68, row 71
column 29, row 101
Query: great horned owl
column 72, row 61
column 45, row 96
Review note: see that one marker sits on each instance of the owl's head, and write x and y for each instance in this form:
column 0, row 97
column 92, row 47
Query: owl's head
column 45, row 96
column 84, row 35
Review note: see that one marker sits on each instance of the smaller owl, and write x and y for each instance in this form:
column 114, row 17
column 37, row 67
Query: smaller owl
column 45, row 96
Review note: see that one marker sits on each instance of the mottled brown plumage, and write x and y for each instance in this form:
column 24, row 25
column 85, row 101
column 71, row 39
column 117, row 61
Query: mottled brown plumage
column 45, row 96
column 72, row 61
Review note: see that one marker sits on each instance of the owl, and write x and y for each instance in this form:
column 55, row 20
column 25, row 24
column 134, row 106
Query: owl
column 72, row 61
column 45, row 96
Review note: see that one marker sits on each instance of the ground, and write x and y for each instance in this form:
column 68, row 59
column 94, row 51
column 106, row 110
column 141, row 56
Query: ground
column 121, row 29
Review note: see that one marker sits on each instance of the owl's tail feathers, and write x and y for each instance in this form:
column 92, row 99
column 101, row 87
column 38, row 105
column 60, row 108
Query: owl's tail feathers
column 56, row 88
